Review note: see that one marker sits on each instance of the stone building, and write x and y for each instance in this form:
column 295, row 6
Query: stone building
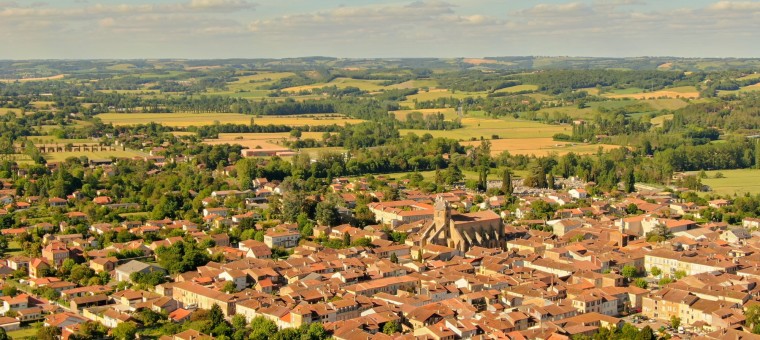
column 463, row 231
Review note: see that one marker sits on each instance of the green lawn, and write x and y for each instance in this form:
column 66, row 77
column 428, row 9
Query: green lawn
column 14, row 248
column 24, row 333
column 734, row 181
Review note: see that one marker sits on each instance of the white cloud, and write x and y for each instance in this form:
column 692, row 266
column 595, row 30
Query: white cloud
column 735, row 6
column 221, row 4
column 240, row 28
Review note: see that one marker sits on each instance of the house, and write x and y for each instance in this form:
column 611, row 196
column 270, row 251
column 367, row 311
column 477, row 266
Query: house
column 562, row 227
column 223, row 212
column 106, row 316
column 180, row 315
column 719, row 203
column 690, row 263
column 83, row 302
column 55, row 253
column 124, row 271
column 16, row 303
column 578, row 193
column 38, row 268
column 735, row 235
column 191, row 294
column 63, row 319
column 237, row 277
column 56, row 202
column 30, row 314
column 751, row 223
column 9, row 324
column 276, row 237
column 104, row 264
column 255, row 249
column 19, row 262
column 102, row 200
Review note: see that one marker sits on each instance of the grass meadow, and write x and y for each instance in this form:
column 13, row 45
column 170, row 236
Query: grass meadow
column 736, row 182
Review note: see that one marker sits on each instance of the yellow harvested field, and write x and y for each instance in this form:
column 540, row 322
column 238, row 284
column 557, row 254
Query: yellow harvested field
column 41, row 104
column 5, row 111
column 259, row 140
column 24, row 80
column 62, row 156
column 590, row 90
column 262, row 77
column 410, row 84
column 540, row 146
column 434, row 94
column 676, row 92
column 479, row 61
column 200, row 119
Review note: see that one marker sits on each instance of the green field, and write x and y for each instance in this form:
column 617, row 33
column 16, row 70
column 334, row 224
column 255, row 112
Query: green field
column 518, row 88
column 249, row 86
column 751, row 76
column 434, row 94
column 637, row 106
column 750, row 88
column 23, row 333
column 362, row 84
column 365, row 85
column 200, row 119
column 630, row 90
column 14, row 248
column 734, row 182
column 486, row 127
column 659, row 120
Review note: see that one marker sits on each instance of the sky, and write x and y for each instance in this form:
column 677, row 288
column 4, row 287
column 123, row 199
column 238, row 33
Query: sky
column 204, row 29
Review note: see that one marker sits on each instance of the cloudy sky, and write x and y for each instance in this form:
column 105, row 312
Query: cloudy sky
column 379, row 28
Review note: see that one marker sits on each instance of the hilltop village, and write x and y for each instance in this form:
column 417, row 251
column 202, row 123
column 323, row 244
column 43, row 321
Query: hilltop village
column 563, row 264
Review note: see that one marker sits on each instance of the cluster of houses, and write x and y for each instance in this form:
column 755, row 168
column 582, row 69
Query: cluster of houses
column 460, row 272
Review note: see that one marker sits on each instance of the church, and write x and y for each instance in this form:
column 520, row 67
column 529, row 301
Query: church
column 463, row 231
